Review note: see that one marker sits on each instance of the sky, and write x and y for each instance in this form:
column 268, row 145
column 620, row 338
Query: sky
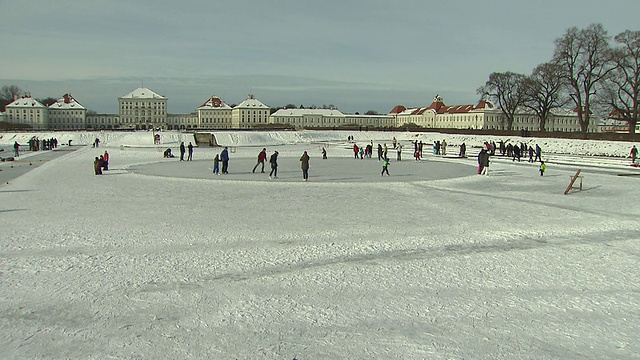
column 356, row 55
column 162, row 259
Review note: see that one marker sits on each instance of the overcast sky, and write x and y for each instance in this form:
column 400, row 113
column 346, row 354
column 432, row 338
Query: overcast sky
column 356, row 55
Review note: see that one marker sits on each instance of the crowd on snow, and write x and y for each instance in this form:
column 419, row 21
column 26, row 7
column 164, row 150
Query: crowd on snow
column 221, row 161
column 36, row 144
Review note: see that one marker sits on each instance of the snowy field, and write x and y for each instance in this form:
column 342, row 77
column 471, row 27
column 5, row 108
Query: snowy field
column 161, row 259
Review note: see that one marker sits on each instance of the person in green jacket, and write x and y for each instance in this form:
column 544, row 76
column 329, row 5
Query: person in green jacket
column 543, row 167
column 385, row 167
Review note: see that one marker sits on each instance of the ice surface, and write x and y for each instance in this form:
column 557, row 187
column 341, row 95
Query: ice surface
column 167, row 264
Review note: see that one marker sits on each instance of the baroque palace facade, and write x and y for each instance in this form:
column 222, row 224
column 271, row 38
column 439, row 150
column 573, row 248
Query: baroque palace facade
column 143, row 109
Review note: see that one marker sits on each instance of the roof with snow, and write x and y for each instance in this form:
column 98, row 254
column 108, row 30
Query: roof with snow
column 214, row 102
column 251, row 103
column 142, row 93
column 66, row 102
column 439, row 107
column 303, row 112
column 25, row 101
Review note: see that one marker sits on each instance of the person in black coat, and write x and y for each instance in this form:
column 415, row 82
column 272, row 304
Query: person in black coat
column 273, row 160
column 182, row 150
column 190, row 156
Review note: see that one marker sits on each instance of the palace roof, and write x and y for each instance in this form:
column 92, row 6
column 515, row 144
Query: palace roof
column 25, row 101
column 142, row 93
column 303, row 112
column 439, row 107
column 67, row 102
column 251, row 103
column 214, row 102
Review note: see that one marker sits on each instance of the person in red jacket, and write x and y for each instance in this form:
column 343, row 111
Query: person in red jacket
column 262, row 157
column 105, row 157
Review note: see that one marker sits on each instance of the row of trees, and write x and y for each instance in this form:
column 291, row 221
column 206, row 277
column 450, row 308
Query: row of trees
column 586, row 71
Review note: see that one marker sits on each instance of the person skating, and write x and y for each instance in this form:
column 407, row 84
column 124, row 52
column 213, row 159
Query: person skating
column 216, row 164
column 105, row 166
column 262, row 157
column 633, row 154
column 97, row 166
column 483, row 162
column 399, row 150
column 190, row 154
column 543, row 167
column 304, row 159
column 324, row 154
column 385, row 167
column 538, row 153
column 516, row 153
column 16, row 149
column 182, row 151
column 273, row 160
column 224, row 157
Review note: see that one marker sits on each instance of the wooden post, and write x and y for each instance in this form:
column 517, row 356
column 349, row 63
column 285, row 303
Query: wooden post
column 573, row 180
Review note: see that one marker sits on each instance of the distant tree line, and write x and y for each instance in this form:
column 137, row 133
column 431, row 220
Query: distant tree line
column 587, row 71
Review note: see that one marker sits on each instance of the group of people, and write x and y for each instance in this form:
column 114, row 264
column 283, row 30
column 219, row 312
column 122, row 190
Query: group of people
column 509, row 150
column 273, row 162
column 440, row 148
column 36, row 144
column 223, row 158
column 183, row 149
column 101, row 163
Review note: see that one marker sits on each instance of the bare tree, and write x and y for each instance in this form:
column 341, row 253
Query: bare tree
column 48, row 101
column 543, row 91
column 506, row 90
column 8, row 94
column 621, row 90
column 586, row 59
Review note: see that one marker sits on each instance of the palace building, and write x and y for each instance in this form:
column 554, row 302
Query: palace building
column 67, row 114
column 484, row 115
column 28, row 111
column 214, row 114
column 249, row 113
column 143, row 109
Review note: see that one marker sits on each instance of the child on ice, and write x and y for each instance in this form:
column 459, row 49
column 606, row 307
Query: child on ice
column 543, row 167
column 385, row 167
column 216, row 164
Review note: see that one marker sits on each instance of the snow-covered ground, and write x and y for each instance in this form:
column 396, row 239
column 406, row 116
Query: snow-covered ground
column 162, row 259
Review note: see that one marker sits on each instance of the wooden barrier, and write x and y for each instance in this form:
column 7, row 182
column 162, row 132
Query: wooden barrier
column 573, row 180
